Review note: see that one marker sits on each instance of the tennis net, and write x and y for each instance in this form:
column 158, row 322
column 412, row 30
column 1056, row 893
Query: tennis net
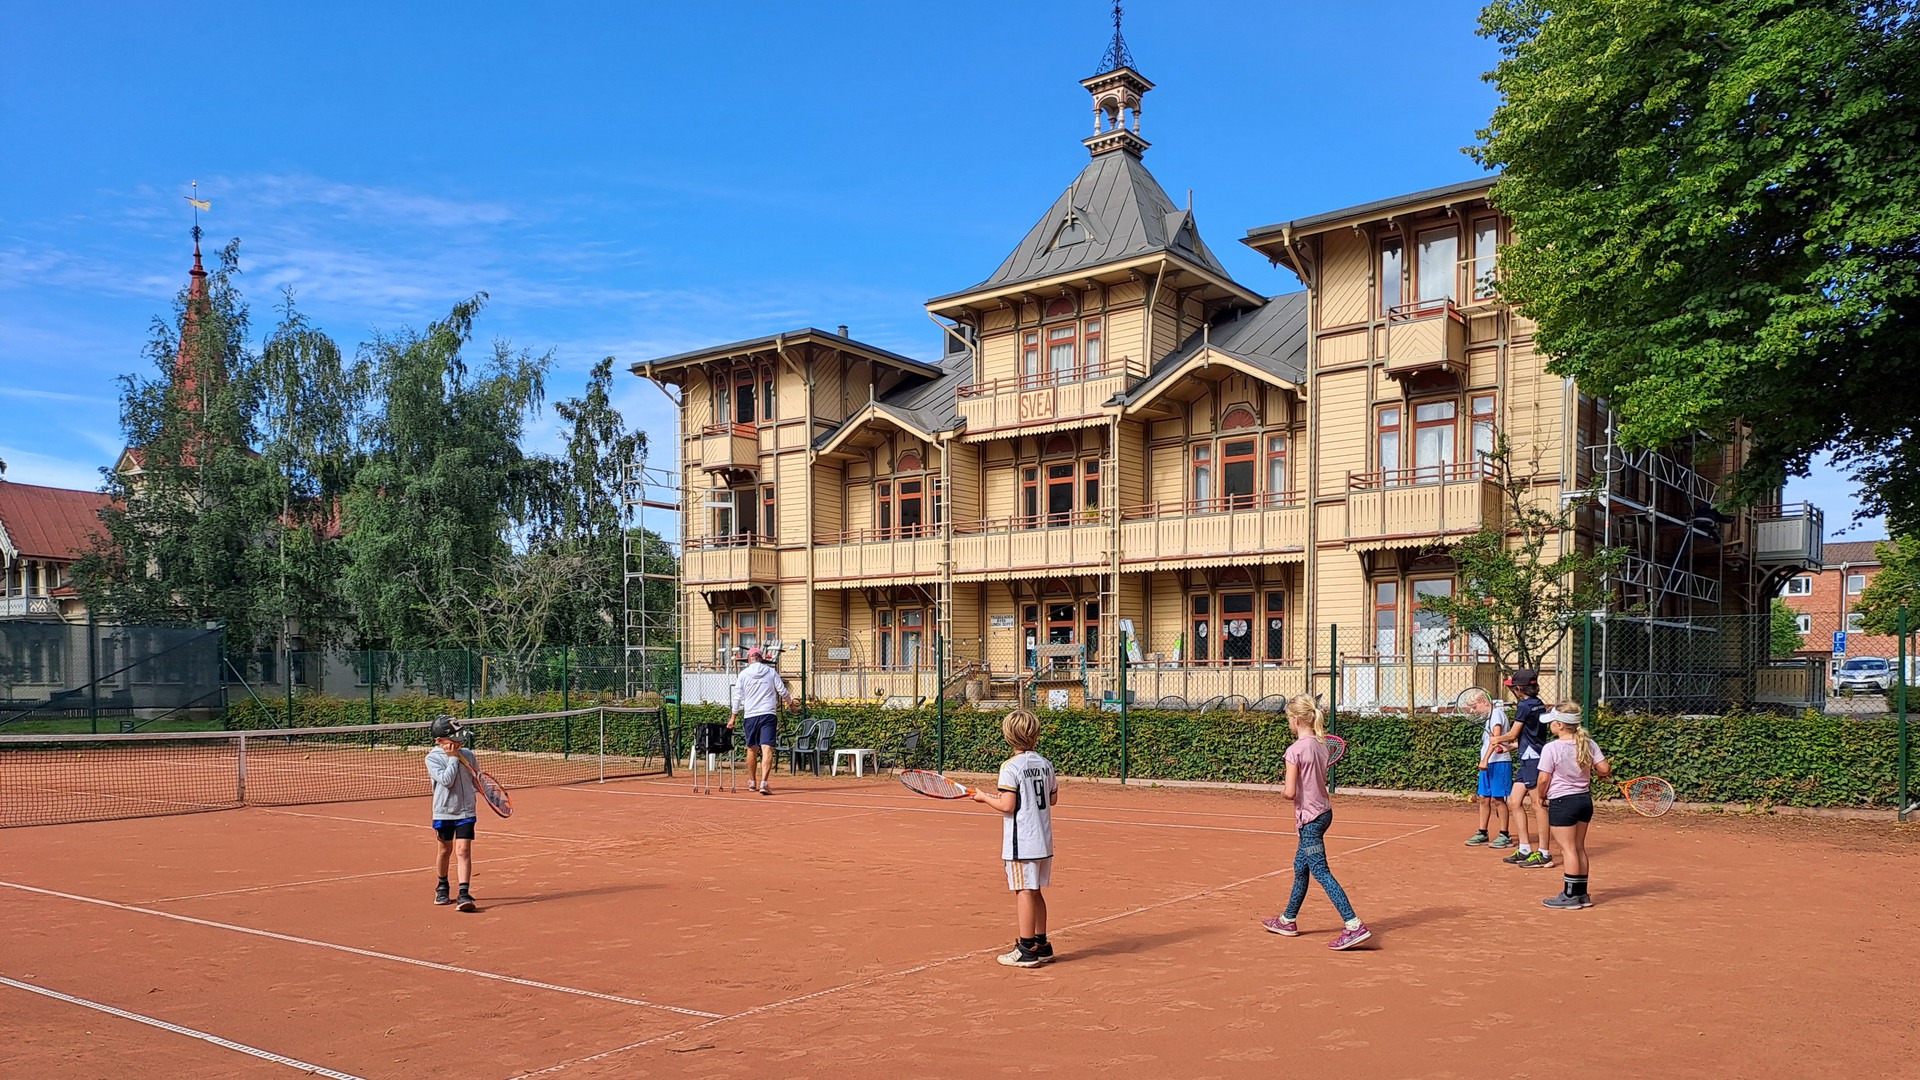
column 59, row 779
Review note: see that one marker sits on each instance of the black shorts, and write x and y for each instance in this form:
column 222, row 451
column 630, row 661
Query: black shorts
column 454, row 830
column 1570, row 810
column 1527, row 774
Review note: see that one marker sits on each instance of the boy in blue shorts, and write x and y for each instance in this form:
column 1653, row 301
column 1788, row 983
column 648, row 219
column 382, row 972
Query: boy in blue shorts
column 1496, row 768
column 454, row 804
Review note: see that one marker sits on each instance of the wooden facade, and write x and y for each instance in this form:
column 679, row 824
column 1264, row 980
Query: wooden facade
column 1121, row 439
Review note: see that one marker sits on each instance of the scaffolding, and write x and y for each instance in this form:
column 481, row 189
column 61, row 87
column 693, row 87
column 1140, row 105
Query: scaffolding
column 650, row 565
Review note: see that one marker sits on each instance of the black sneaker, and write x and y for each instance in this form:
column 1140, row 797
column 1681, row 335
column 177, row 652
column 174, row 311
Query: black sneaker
column 1044, row 950
column 465, row 902
column 441, row 896
column 1517, row 858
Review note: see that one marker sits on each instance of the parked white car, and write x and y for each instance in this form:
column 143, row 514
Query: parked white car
column 1862, row 675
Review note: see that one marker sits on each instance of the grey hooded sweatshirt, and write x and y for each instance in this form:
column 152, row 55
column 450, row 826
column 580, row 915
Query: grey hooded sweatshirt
column 453, row 790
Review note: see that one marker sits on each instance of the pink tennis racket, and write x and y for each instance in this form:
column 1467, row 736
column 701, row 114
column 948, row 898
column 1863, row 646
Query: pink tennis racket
column 932, row 784
column 1336, row 748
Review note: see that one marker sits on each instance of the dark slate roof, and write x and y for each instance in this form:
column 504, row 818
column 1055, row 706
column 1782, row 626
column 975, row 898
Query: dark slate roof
column 1363, row 209
column 1124, row 214
column 1271, row 338
column 932, row 405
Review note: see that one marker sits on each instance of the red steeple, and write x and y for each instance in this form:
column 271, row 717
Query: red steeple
column 184, row 378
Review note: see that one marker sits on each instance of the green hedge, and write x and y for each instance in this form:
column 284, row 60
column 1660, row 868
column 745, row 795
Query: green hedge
column 1806, row 760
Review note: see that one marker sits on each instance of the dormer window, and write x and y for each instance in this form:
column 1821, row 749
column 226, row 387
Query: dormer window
column 1071, row 232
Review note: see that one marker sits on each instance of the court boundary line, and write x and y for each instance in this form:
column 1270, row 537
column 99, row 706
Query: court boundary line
column 930, row 965
column 369, row 953
column 178, row 1029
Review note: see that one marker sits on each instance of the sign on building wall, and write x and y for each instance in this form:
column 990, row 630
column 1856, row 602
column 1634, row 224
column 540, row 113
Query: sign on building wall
column 1036, row 405
column 1000, row 622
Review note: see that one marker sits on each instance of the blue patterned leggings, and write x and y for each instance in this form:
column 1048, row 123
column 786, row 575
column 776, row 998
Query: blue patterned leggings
column 1312, row 859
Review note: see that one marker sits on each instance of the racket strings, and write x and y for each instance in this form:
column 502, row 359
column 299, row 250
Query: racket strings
column 1649, row 795
column 931, row 783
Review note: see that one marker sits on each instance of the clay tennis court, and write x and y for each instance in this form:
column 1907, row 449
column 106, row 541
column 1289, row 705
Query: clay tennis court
column 847, row 927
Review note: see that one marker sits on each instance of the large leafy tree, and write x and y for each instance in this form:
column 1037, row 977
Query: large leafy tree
column 180, row 544
column 310, row 400
column 1717, row 220
column 443, row 479
column 1896, row 586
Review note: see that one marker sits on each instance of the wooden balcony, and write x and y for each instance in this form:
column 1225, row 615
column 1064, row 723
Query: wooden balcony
column 735, row 561
column 1789, row 536
column 1426, row 337
column 878, row 556
column 1414, row 507
column 725, row 447
column 1004, row 548
column 1230, row 527
column 1044, row 401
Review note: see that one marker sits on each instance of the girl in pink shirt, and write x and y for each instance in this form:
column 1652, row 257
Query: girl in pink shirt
column 1567, row 765
column 1306, row 785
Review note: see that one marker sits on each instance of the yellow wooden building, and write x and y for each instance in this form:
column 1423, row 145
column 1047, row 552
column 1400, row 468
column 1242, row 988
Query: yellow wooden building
column 1121, row 442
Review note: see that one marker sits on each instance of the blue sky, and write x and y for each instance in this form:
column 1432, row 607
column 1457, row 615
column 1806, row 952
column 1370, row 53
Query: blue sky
column 636, row 179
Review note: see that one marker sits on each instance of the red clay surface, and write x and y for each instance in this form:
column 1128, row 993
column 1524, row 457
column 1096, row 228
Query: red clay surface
column 848, row 927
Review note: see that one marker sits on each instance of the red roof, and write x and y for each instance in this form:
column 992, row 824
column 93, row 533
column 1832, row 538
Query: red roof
column 49, row 523
column 1851, row 552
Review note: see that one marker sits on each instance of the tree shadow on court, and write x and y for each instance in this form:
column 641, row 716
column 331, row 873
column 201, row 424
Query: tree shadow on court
column 1126, row 945
column 571, row 894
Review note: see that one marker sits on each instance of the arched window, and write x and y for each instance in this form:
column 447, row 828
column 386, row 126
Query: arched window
column 1060, row 444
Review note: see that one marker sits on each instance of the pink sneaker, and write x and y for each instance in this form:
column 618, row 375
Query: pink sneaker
column 1349, row 938
column 1281, row 925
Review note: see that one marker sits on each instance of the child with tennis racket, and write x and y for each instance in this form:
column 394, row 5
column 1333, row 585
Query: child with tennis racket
column 1306, row 786
column 1027, row 793
column 454, row 806
column 1496, row 767
column 1567, row 765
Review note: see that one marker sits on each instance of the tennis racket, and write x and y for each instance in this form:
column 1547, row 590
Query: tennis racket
column 1649, row 796
column 1336, row 748
column 932, row 784
column 497, row 798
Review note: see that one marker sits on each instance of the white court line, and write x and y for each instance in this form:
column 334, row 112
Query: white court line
column 362, row 952
column 930, row 965
column 790, row 801
column 1103, row 786
column 491, row 860
column 265, row 1055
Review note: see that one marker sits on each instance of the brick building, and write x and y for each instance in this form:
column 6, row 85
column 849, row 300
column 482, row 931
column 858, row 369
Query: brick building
column 1827, row 600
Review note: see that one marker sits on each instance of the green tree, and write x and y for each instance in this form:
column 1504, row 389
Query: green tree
column 310, row 400
column 180, row 544
column 1783, row 630
column 1896, row 586
column 1524, row 581
column 1716, row 208
column 444, row 477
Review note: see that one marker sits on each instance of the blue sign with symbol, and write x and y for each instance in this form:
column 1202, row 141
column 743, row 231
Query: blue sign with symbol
column 1839, row 643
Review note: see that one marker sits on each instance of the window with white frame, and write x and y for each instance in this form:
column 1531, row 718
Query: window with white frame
column 1856, row 583
column 1799, row 586
column 1804, row 624
column 1855, row 621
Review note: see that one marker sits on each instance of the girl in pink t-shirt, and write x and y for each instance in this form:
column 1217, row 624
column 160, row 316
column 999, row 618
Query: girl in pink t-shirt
column 1567, row 765
column 1306, row 785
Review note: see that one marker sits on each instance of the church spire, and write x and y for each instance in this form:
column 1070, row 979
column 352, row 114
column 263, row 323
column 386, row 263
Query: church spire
column 1117, row 90
column 185, row 377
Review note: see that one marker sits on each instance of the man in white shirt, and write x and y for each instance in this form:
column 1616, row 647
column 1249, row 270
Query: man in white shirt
column 757, row 694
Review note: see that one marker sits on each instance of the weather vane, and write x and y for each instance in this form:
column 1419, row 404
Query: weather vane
column 204, row 204
column 1117, row 55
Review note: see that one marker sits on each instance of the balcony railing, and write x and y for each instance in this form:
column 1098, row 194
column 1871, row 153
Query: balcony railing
column 1790, row 535
column 1409, row 507
column 1426, row 336
column 1254, row 527
column 14, row 607
column 729, row 446
column 1008, row 547
column 901, row 553
column 739, row 559
column 1047, row 397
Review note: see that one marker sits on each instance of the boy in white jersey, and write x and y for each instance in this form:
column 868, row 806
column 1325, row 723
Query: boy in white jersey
column 1027, row 793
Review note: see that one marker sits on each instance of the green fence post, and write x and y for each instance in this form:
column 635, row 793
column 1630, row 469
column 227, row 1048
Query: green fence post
column 1123, row 708
column 1586, row 667
column 289, row 660
column 93, row 676
column 469, row 662
column 566, row 664
column 1900, row 707
column 373, row 703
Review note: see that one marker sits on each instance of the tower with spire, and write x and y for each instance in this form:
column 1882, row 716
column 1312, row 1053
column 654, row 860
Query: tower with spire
column 1117, row 89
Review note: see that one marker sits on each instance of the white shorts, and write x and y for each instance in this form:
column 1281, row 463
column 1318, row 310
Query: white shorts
column 1034, row 874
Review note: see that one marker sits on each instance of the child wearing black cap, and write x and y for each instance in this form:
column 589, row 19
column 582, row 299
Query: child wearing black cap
column 453, row 806
column 1527, row 735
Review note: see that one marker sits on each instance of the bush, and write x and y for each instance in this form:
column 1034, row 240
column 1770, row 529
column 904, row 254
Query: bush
column 1806, row 760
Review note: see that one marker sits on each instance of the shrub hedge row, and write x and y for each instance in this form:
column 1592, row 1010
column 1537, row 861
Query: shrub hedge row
column 1806, row 760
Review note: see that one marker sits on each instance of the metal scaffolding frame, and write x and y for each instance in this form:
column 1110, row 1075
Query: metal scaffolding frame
column 651, row 636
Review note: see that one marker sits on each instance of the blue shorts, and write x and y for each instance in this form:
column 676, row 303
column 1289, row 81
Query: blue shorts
column 760, row 729
column 1529, row 774
column 1496, row 780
